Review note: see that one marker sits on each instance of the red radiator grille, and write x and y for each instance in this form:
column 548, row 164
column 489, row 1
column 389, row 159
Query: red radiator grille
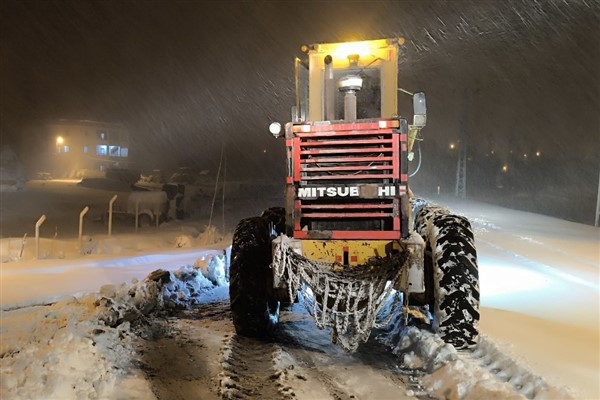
column 363, row 156
column 340, row 155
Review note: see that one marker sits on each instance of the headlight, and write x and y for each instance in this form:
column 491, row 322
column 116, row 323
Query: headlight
column 275, row 129
column 350, row 82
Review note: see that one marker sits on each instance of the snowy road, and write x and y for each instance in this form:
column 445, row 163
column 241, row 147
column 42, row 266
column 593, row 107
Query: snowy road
column 206, row 358
column 539, row 286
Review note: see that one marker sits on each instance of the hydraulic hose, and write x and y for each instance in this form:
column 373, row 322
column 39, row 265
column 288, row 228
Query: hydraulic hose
column 420, row 159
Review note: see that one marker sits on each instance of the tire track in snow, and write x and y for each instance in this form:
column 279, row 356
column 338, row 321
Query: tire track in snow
column 323, row 370
column 370, row 373
column 482, row 372
column 176, row 359
column 373, row 352
column 181, row 360
column 506, row 370
column 250, row 370
column 305, row 368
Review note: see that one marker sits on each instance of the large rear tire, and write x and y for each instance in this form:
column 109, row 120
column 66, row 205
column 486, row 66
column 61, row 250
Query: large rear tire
column 454, row 283
column 255, row 312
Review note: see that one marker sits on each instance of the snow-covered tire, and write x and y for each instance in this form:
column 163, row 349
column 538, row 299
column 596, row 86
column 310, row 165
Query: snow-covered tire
column 254, row 310
column 454, row 282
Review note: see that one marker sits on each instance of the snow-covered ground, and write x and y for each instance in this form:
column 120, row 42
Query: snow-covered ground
column 69, row 322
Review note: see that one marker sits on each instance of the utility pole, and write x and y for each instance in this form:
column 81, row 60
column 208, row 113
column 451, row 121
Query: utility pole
column 598, row 204
column 461, row 166
column 461, row 170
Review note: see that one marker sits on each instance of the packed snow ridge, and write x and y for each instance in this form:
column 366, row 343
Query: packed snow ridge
column 482, row 373
column 83, row 347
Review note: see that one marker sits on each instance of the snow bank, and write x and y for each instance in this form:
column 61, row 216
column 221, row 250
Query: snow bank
column 61, row 351
column 82, row 347
column 216, row 269
column 160, row 291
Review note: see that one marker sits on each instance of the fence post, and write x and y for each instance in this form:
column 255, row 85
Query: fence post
column 598, row 204
column 110, row 211
column 81, row 215
column 22, row 246
column 137, row 214
column 37, row 235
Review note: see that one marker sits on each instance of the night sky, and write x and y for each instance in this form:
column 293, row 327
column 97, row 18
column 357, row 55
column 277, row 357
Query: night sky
column 186, row 77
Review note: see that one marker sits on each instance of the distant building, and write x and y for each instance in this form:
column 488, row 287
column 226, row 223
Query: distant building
column 81, row 147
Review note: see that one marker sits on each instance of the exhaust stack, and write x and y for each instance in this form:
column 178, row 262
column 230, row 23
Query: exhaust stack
column 329, row 89
column 350, row 85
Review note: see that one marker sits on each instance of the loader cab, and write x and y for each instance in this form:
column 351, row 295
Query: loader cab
column 333, row 72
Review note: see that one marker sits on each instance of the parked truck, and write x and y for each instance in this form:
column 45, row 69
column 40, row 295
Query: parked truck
column 351, row 237
column 144, row 208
